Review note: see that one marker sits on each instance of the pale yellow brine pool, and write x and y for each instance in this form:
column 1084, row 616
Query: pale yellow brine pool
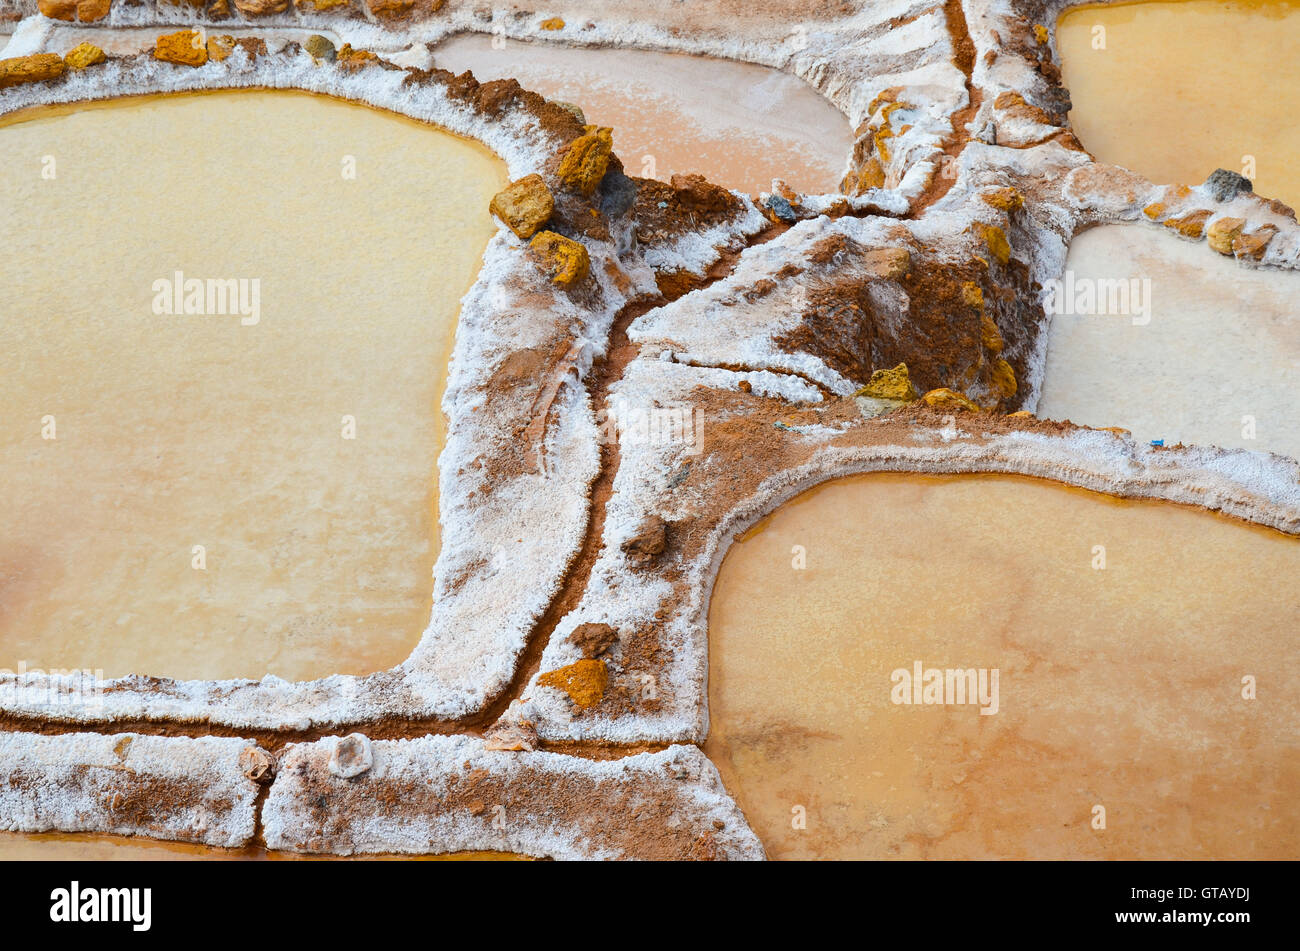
column 1174, row 90
column 226, row 324
column 1134, row 692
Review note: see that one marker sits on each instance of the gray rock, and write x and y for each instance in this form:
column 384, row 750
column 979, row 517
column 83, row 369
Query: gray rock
column 1224, row 185
column 782, row 208
column 617, row 194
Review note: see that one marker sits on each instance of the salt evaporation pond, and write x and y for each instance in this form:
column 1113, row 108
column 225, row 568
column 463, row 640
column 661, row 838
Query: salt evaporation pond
column 1119, row 681
column 738, row 124
column 1213, row 359
column 1179, row 89
column 215, row 496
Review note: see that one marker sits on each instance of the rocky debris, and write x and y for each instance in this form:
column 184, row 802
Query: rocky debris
column 586, row 160
column 183, row 48
column 1014, row 105
column 946, row 399
column 618, row 192
column 402, row 11
column 85, row 11
column 705, row 848
column 1191, row 225
column 593, row 639
column 351, row 60
column 565, row 260
column 1003, row 379
column 261, row 8
column 1003, row 199
column 1254, row 244
column 990, row 337
column 1223, row 232
column 890, row 385
column 648, row 543
column 889, row 264
column 351, row 756
column 870, row 174
column 320, row 48
column 84, row 55
column 257, row 764
column 696, row 193
column 1225, row 185
column 219, row 47
column 779, row 209
column 572, row 108
column 524, row 206
column 513, row 733
column 333, row 7
column 584, row 681
column 30, row 69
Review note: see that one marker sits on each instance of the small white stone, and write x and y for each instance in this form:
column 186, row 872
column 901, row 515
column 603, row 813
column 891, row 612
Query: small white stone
column 351, row 756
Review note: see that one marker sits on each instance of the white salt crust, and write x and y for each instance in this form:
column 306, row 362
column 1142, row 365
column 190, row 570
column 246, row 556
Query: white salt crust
column 191, row 790
column 402, row 804
column 468, row 653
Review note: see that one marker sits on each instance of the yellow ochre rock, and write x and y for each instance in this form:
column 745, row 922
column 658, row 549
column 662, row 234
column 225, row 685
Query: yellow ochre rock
column 892, row 384
column 220, row 47
column 524, row 206
column 870, row 175
column 587, row 159
column 1154, row 210
column 990, row 336
column 261, row 8
column 1040, row 34
column 184, row 48
column 1004, row 199
column 349, row 59
column 554, row 23
column 87, row 11
column 566, row 260
column 584, row 681
column 84, row 55
column 30, row 69
column 58, row 9
column 996, row 239
column 944, row 398
column 1003, row 378
column 1223, row 232
column 1190, row 225
column 972, row 296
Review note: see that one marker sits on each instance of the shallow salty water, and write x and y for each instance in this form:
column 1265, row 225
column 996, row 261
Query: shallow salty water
column 1217, row 363
column 363, row 231
column 1182, row 88
column 1119, row 687
column 737, row 124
